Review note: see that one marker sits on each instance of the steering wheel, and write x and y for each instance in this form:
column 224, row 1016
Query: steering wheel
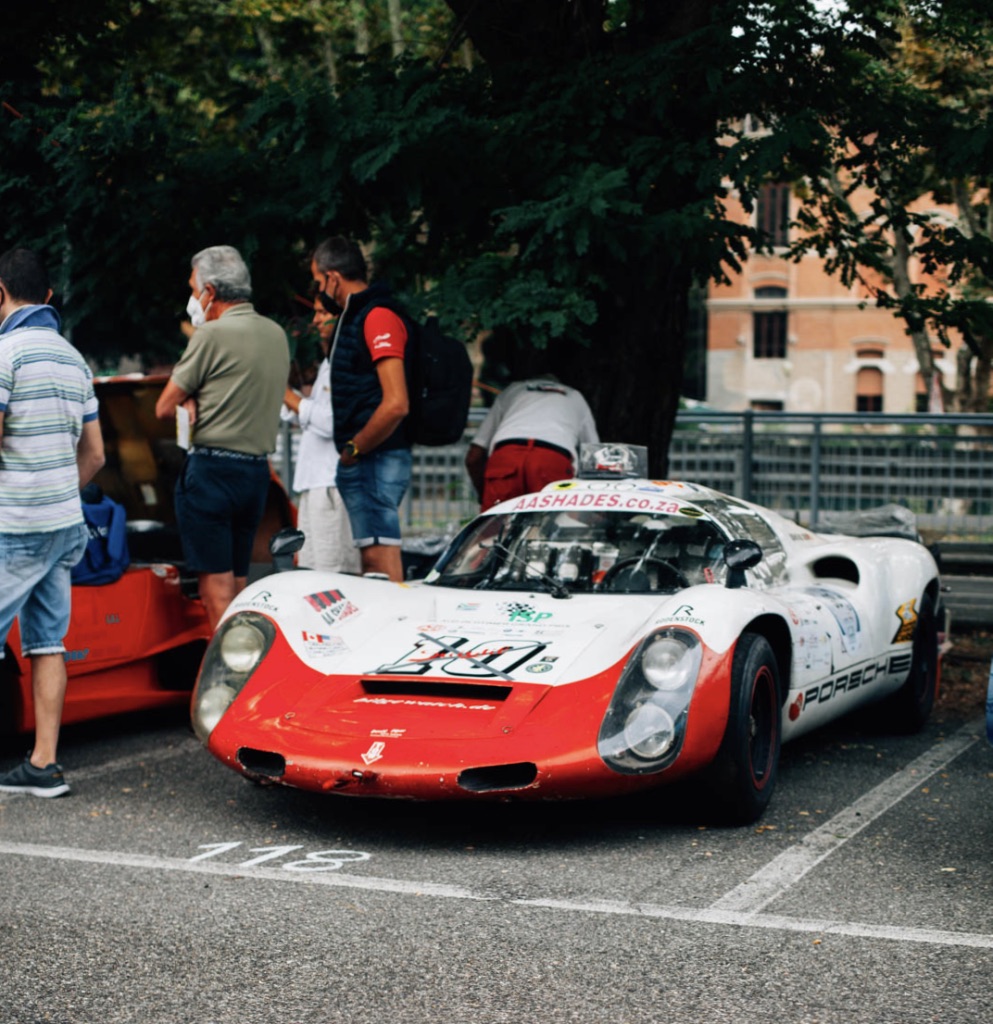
column 663, row 570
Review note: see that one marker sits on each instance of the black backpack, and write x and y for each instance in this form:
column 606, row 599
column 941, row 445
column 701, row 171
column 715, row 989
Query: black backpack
column 439, row 384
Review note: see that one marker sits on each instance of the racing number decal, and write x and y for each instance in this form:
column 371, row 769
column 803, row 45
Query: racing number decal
column 453, row 656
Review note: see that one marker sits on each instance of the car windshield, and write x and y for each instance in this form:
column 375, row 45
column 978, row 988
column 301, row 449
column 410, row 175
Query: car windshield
column 584, row 552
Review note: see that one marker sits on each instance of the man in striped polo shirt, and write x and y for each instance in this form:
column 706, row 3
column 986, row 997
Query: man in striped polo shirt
column 50, row 446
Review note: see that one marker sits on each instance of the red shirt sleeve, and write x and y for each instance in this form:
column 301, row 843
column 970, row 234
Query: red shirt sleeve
column 385, row 334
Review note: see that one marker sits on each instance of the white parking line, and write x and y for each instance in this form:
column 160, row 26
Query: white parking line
column 707, row 916
column 202, row 867
column 741, row 907
column 789, row 867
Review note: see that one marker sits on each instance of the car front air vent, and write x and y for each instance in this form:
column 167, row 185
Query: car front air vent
column 262, row 762
column 412, row 688
column 499, row 776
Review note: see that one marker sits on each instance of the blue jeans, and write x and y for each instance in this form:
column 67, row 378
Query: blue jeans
column 35, row 585
column 372, row 490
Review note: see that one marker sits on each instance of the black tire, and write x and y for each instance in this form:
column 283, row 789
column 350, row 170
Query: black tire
column 743, row 775
column 908, row 709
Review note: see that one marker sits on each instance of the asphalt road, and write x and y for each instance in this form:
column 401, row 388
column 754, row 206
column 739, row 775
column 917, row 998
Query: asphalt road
column 167, row 889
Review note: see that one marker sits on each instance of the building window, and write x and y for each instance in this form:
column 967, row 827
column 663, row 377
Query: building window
column 870, row 353
column 765, row 405
column 769, row 327
column 869, row 390
column 773, row 213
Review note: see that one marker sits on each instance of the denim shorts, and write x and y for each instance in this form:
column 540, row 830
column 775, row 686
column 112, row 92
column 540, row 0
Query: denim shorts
column 219, row 505
column 372, row 490
column 35, row 585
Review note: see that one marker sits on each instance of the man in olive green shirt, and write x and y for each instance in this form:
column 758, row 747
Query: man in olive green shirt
column 229, row 383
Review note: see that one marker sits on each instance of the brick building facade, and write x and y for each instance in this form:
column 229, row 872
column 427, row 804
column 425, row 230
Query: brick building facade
column 787, row 336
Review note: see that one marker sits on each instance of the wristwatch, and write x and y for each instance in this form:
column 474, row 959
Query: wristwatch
column 351, row 449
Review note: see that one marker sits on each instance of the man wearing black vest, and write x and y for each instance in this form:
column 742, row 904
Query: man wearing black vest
column 369, row 394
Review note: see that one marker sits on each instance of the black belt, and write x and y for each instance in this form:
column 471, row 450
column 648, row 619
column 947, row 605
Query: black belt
column 226, row 453
column 533, row 442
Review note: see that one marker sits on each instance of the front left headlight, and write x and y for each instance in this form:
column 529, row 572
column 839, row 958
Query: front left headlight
column 644, row 726
column 236, row 650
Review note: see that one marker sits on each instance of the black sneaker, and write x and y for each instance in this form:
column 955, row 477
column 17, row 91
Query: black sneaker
column 25, row 778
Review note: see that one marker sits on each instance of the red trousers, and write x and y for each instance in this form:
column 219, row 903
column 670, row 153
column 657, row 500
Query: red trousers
column 516, row 469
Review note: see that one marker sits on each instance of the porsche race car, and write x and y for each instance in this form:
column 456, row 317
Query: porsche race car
column 608, row 634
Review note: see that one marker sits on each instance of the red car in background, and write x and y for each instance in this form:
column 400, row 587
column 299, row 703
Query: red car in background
column 135, row 644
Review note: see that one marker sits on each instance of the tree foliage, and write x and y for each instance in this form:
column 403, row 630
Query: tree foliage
column 556, row 168
column 921, row 145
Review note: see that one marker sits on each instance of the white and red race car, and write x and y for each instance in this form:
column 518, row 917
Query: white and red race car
column 600, row 637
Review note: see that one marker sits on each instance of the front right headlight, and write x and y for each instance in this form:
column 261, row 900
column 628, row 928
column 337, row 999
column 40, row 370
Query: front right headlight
column 644, row 726
column 236, row 650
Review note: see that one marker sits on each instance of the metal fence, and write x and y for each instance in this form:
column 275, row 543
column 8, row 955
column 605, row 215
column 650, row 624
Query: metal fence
column 806, row 466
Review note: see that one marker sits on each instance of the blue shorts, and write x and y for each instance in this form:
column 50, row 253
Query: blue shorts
column 220, row 501
column 372, row 490
column 35, row 585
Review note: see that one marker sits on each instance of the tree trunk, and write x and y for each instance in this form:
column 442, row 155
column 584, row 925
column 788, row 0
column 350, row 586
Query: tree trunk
column 904, row 289
column 396, row 26
column 980, row 394
column 632, row 374
column 328, row 57
column 360, row 23
column 962, row 398
column 632, row 371
column 268, row 48
column 509, row 31
column 976, row 397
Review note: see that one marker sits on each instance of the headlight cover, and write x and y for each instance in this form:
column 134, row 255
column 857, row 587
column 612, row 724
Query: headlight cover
column 236, row 650
column 644, row 726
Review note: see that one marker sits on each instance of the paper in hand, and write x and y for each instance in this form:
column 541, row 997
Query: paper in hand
column 182, row 427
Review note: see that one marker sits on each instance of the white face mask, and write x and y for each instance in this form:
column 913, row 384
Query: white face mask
column 196, row 312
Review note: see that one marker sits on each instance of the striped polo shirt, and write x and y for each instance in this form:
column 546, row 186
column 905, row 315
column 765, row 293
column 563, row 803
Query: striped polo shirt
column 46, row 394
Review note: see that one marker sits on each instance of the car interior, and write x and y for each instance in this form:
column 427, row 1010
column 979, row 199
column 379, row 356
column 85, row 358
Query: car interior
column 587, row 552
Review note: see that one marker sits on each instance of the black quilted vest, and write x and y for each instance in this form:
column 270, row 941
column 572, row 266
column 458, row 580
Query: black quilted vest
column 355, row 390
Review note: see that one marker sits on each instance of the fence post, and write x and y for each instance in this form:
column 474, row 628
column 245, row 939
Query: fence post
column 815, row 474
column 747, row 446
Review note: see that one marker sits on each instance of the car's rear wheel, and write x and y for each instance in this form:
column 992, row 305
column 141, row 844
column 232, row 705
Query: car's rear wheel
column 741, row 780
column 909, row 708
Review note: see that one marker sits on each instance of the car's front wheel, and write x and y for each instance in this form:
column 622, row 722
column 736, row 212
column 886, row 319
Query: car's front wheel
column 743, row 775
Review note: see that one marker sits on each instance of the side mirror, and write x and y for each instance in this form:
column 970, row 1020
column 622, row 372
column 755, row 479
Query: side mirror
column 283, row 545
column 740, row 555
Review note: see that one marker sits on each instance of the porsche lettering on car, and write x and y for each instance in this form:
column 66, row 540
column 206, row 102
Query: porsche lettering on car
column 609, row 634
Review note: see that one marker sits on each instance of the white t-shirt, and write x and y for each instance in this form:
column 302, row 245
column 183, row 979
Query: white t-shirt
column 317, row 457
column 542, row 409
